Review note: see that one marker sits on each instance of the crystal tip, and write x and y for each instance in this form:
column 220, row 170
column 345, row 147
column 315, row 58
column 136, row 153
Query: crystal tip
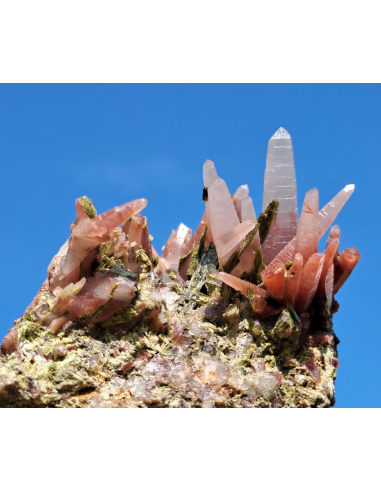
column 281, row 134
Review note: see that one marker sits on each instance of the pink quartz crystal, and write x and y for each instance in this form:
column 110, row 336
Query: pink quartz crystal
column 241, row 285
column 121, row 298
column 309, row 282
column 65, row 296
column 245, row 210
column 330, row 254
column 274, row 279
column 280, row 185
column 97, row 291
column 231, row 241
column 346, row 262
column 146, row 239
column 329, row 213
column 333, row 234
column 307, row 237
column 292, row 283
column 135, row 231
column 241, row 194
column 223, row 216
column 173, row 249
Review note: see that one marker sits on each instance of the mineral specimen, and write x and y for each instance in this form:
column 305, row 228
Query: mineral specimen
column 237, row 314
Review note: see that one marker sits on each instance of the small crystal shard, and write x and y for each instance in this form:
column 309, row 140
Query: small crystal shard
column 280, row 185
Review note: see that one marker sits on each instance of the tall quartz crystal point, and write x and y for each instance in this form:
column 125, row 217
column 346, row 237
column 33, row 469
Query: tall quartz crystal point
column 280, row 185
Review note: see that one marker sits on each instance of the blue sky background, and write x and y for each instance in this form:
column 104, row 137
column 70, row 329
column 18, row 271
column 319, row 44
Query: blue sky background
column 115, row 143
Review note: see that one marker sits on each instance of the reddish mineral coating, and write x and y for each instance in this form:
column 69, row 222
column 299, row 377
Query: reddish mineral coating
column 135, row 232
column 274, row 279
column 330, row 255
column 241, row 285
column 309, row 282
column 346, row 262
column 10, row 341
column 328, row 285
column 308, row 228
column 292, row 283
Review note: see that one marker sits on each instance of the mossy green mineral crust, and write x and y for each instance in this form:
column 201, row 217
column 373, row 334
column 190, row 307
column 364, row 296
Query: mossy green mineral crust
column 172, row 349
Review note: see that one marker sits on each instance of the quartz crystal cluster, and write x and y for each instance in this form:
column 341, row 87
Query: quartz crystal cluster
column 236, row 314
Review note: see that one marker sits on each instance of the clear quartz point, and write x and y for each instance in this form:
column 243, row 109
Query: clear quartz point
column 280, row 184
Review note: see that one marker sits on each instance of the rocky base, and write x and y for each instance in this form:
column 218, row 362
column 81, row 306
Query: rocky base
column 158, row 352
